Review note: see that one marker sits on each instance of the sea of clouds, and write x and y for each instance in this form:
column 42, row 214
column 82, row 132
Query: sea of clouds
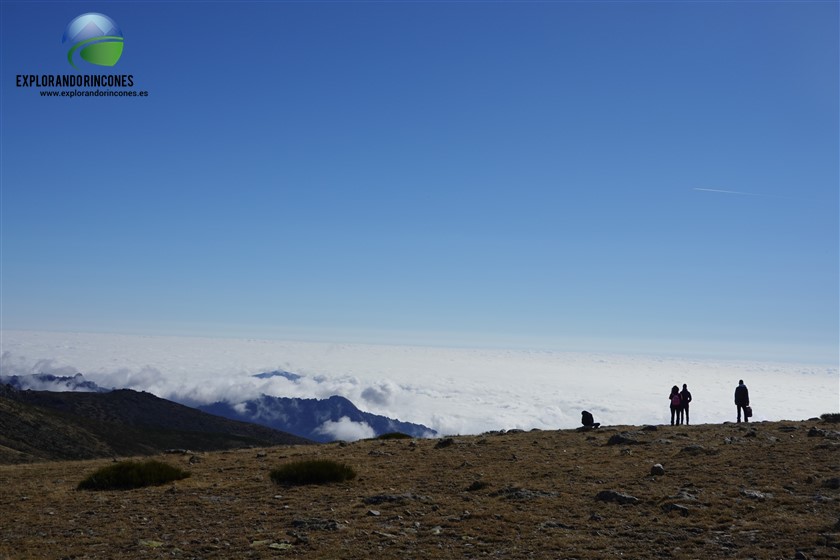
column 451, row 390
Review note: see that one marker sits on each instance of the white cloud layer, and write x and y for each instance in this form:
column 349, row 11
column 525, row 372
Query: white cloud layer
column 346, row 430
column 450, row 390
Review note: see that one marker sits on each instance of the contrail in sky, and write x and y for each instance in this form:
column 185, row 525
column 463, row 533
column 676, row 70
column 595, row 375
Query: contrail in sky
column 729, row 192
column 742, row 193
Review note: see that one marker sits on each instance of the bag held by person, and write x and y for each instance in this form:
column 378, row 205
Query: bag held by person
column 748, row 411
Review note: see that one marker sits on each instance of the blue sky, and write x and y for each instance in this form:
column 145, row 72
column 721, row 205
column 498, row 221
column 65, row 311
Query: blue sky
column 488, row 173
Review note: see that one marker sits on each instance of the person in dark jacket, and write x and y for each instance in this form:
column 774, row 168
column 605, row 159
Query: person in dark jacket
column 674, row 399
column 742, row 399
column 685, row 398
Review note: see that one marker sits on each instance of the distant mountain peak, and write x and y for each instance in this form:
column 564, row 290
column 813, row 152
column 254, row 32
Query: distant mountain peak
column 50, row 382
column 321, row 420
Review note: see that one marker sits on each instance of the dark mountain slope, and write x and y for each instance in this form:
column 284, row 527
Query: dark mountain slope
column 41, row 425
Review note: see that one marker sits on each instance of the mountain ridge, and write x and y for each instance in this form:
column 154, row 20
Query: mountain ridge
column 45, row 425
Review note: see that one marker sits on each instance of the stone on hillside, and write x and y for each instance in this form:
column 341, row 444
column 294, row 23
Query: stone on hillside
column 445, row 442
column 657, row 470
column 624, row 438
column 682, row 510
column 613, row 496
column 513, row 493
column 756, row 495
column 816, row 432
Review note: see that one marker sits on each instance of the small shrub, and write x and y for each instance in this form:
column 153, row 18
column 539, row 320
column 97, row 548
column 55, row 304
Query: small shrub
column 128, row 475
column 312, row 472
column 394, row 435
column 831, row 417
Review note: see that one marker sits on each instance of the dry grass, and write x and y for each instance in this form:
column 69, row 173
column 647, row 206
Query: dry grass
column 766, row 490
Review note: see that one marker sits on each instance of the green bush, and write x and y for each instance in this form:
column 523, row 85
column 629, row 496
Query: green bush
column 312, row 472
column 394, row 435
column 128, row 475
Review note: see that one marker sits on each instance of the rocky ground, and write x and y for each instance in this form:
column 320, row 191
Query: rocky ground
column 764, row 490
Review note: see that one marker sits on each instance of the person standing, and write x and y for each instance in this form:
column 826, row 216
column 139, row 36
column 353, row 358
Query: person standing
column 742, row 399
column 674, row 398
column 685, row 398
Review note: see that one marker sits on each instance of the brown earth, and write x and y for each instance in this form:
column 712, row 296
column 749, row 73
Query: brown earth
column 763, row 490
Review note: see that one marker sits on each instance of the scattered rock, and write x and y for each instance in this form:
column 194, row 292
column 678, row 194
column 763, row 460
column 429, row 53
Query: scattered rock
column 800, row 555
column 816, row 432
column 513, row 493
column 262, row 455
column 649, row 428
column 788, row 428
column 613, row 496
column 682, row 510
column 280, row 546
column 751, row 433
column 657, row 470
column 194, row 460
column 684, row 494
column 756, row 495
column 373, row 513
column 595, row 517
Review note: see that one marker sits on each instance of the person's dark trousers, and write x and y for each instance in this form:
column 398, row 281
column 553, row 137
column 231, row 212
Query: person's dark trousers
column 674, row 415
column 745, row 413
column 685, row 417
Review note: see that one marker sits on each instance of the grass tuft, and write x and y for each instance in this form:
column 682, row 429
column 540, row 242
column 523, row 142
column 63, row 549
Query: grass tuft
column 312, row 472
column 831, row 417
column 128, row 475
column 394, row 435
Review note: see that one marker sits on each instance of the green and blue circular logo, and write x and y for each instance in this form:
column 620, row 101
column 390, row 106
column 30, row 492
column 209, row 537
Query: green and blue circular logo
column 95, row 38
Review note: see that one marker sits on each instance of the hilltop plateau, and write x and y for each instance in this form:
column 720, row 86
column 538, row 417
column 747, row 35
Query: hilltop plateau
column 758, row 490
